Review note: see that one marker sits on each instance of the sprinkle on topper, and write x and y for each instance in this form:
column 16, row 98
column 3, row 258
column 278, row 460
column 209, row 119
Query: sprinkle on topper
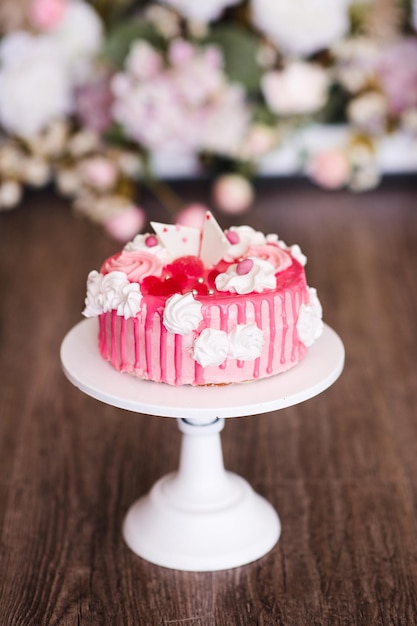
column 214, row 243
column 178, row 240
column 210, row 244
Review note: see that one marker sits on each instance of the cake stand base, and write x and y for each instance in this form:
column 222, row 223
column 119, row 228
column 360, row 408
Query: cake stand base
column 202, row 517
column 204, row 520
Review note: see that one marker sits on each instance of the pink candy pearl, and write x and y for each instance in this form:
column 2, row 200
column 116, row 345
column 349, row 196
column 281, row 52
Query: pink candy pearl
column 232, row 237
column 151, row 241
column 244, row 267
column 329, row 169
column 192, row 215
column 125, row 224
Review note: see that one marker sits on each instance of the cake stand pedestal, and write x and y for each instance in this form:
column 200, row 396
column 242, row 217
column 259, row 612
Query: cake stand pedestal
column 202, row 517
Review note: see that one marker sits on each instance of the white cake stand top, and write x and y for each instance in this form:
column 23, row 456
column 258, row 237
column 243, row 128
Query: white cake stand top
column 85, row 368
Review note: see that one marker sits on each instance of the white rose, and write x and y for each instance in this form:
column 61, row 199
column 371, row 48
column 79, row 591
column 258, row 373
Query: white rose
column 182, row 314
column 200, row 11
column 309, row 324
column 245, row 342
column 34, row 84
column 79, row 35
column 301, row 27
column 211, row 347
column 299, row 88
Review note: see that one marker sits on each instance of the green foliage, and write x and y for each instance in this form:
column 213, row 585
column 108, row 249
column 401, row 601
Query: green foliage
column 239, row 48
column 121, row 37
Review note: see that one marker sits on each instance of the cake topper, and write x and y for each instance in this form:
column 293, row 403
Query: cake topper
column 210, row 244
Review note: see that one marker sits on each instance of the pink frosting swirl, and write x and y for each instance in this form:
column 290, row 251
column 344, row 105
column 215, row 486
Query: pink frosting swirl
column 135, row 264
column 273, row 254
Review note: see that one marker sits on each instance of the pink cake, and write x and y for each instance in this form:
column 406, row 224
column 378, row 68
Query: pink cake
column 211, row 307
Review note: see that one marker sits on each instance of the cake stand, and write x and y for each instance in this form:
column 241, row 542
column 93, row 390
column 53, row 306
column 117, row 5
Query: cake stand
column 201, row 517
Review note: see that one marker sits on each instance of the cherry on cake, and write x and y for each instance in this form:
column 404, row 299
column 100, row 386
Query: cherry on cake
column 185, row 306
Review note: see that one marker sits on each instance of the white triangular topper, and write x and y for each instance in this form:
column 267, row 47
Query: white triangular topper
column 214, row 243
column 178, row 240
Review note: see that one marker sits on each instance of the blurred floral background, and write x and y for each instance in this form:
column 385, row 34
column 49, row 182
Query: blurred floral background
column 101, row 97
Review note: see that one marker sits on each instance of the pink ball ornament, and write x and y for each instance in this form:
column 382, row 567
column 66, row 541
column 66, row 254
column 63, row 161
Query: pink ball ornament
column 125, row 224
column 192, row 215
column 329, row 169
column 233, row 193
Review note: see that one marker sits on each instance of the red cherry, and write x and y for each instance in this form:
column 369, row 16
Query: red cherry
column 200, row 288
column 166, row 287
column 189, row 265
column 149, row 283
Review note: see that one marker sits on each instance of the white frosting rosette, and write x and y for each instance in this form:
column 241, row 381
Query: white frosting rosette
column 310, row 324
column 241, row 237
column 130, row 300
column 182, row 314
column 260, row 276
column 246, row 342
column 111, row 292
column 94, row 297
column 211, row 347
column 148, row 243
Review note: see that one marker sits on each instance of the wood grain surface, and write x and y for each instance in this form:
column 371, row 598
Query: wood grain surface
column 341, row 469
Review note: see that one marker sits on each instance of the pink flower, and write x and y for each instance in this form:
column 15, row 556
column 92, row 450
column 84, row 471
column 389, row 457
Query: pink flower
column 45, row 14
column 329, row 169
column 93, row 102
column 125, row 224
column 233, row 193
column 143, row 62
column 397, row 71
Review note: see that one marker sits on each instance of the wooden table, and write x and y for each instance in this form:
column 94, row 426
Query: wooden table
column 341, row 469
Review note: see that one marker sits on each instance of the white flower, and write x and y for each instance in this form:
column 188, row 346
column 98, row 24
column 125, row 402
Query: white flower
column 79, row 36
column 245, row 342
column 182, row 314
column 299, row 88
column 369, row 112
column 301, row 27
column 211, row 347
column 309, row 324
column 200, row 10
column 34, row 85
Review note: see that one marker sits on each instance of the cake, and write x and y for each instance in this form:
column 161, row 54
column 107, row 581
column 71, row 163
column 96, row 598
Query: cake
column 188, row 306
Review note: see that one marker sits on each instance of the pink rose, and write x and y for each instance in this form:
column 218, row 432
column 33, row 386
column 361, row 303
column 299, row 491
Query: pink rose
column 126, row 223
column 192, row 215
column 329, row 169
column 233, row 193
column 136, row 265
column 99, row 172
